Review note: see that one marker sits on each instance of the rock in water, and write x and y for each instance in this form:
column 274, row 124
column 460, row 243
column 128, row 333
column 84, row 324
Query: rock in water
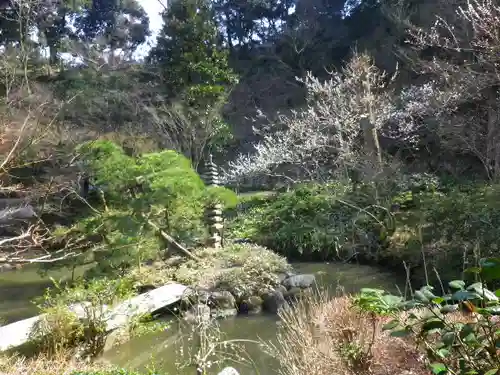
column 223, row 299
column 273, row 301
column 251, row 305
column 299, row 281
column 224, row 313
column 229, row 371
column 282, row 276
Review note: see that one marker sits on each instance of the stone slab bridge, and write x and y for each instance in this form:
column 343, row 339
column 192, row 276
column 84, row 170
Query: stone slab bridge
column 18, row 333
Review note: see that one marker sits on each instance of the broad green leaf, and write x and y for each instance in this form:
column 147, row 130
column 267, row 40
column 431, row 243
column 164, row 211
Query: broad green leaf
column 489, row 310
column 443, row 353
column 470, row 338
column 467, row 329
column 491, row 372
column 448, row 338
column 457, row 284
column 490, row 268
column 421, row 297
column 433, row 323
column 391, row 300
column 429, row 294
column 464, row 295
column 400, row 333
column 489, row 262
column 438, row 369
column 438, row 300
column 391, row 325
column 483, row 292
column 427, row 287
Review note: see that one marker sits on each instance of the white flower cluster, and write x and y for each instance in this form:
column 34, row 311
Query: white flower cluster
column 327, row 131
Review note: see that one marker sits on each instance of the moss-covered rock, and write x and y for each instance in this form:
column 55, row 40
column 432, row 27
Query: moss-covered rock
column 241, row 269
column 251, row 305
column 227, row 279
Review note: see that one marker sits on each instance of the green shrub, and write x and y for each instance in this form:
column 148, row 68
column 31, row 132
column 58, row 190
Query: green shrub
column 61, row 329
column 417, row 220
column 164, row 177
column 248, row 200
column 160, row 188
column 447, row 230
column 318, row 221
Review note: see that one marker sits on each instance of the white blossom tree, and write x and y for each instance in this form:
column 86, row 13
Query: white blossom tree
column 462, row 95
column 327, row 135
column 459, row 99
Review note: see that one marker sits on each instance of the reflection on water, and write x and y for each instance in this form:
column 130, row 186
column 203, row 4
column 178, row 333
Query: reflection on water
column 18, row 288
column 161, row 349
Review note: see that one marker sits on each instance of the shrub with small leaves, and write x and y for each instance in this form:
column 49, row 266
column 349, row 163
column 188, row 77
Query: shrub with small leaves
column 160, row 188
column 316, row 221
column 61, row 328
column 242, row 269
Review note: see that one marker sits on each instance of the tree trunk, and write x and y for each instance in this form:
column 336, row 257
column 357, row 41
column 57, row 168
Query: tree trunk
column 53, row 58
column 492, row 141
column 371, row 143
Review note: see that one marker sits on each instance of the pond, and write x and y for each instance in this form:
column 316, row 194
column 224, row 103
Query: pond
column 18, row 288
column 161, row 350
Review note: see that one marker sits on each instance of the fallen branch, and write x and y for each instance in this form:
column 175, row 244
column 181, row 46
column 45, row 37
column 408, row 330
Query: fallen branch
column 17, row 238
column 42, row 259
column 170, row 239
column 16, row 144
column 14, row 191
column 26, row 247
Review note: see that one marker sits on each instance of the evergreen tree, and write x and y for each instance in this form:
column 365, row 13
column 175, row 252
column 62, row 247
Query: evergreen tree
column 189, row 54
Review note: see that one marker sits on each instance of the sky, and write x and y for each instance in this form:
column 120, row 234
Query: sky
column 153, row 8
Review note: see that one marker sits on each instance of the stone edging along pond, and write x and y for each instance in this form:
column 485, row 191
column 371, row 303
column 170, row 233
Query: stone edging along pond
column 207, row 304
column 237, row 279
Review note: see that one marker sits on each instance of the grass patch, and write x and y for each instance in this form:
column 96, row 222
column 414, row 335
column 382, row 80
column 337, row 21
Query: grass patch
column 62, row 364
column 324, row 336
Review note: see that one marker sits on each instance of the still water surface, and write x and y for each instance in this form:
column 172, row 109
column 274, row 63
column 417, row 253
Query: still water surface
column 18, row 288
column 161, row 350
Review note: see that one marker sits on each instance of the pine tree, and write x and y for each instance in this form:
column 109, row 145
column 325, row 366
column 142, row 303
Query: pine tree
column 189, row 54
